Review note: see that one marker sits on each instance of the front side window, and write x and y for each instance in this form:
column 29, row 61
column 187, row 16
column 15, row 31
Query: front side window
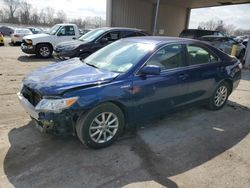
column 168, row 57
column 198, row 55
column 67, row 31
column 112, row 36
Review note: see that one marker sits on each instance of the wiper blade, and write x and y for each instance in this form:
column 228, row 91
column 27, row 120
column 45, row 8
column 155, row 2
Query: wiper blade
column 91, row 65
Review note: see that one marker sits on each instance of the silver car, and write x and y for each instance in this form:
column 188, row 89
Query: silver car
column 18, row 34
column 225, row 44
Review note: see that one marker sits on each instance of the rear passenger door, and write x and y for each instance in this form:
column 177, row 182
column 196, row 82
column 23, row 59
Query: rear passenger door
column 203, row 70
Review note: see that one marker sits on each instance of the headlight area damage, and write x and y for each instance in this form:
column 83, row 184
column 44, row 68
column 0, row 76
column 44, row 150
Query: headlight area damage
column 55, row 105
column 50, row 115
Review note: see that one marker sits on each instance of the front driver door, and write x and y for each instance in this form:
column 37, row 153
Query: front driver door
column 66, row 33
column 156, row 94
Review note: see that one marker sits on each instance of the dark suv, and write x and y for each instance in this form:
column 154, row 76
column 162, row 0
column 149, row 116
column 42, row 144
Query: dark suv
column 93, row 41
column 197, row 33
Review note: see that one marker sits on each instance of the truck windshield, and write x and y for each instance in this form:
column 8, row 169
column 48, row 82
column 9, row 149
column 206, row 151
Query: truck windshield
column 119, row 56
column 54, row 29
column 92, row 35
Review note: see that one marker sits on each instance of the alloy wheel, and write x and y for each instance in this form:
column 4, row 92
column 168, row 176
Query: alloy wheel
column 44, row 51
column 220, row 96
column 104, row 127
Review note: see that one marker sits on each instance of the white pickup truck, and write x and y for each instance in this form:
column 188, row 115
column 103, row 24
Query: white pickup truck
column 43, row 44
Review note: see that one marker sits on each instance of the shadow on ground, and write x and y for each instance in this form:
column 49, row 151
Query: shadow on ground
column 154, row 152
column 34, row 58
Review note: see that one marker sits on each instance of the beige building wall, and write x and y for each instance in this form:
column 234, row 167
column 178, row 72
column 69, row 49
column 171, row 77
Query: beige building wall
column 140, row 14
column 172, row 19
column 130, row 13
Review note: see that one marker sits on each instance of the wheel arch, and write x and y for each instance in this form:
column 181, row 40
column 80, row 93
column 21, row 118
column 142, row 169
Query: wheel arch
column 229, row 82
column 45, row 43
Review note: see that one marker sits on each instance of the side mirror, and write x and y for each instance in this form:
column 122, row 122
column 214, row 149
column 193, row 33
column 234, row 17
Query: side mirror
column 74, row 38
column 150, row 70
column 104, row 41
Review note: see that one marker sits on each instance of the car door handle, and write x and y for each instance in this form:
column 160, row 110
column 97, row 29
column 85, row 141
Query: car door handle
column 183, row 76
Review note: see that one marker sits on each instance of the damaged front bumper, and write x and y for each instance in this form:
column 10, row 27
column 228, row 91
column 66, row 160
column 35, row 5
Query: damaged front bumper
column 48, row 122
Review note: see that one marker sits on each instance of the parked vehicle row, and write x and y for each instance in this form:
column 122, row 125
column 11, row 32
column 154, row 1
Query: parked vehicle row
column 217, row 39
column 93, row 41
column 126, row 82
column 43, row 45
column 225, row 44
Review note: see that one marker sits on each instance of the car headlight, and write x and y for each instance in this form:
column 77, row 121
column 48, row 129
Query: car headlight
column 55, row 105
column 28, row 41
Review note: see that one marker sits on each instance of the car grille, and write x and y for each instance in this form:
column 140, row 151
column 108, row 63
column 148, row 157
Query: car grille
column 32, row 96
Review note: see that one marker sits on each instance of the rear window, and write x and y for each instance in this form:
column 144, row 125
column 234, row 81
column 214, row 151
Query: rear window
column 25, row 31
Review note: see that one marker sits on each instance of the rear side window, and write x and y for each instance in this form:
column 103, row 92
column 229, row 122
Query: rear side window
column 198, row 55
column 168, row 57
column 125, row 34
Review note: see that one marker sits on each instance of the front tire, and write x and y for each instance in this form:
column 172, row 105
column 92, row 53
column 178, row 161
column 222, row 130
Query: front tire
column 220, row 96
column 44, row 51
column 101, row 126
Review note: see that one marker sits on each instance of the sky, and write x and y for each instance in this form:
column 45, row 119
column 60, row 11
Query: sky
column 74, row 8
column 238, row 15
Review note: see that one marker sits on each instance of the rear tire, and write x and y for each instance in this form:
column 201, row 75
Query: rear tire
column 44, row 50
column 220, row 96
column 101, row 126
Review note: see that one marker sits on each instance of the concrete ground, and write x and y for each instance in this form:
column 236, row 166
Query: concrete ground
column 192, row 148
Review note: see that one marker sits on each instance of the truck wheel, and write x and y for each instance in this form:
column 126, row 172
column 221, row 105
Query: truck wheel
column 101, row 126
column 44, row 50
column 220, row 96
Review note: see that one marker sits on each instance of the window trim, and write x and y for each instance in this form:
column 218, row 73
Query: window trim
column 137, row 72
column 205, row 48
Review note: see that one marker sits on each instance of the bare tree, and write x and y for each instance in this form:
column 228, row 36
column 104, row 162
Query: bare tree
column 95, row 22
column 25, row 12
column 61, row 17
column 34, row 18
column 12, row 6
column 209, row 25
column 49, row 12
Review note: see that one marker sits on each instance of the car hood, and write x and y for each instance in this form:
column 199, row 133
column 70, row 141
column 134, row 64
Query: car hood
column 37, row 36
column 57, row 78
column 70, row 44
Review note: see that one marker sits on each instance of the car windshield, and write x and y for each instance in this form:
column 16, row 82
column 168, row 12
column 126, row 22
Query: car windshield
column 91, row 35
column 119, row 56
column 54, row 29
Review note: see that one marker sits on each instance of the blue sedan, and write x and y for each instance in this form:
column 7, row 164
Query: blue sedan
column 129, row 81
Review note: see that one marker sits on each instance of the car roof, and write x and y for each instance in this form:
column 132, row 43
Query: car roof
column 63, row 24
column 156, row 40
column 120, row 28
column 200, row 30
